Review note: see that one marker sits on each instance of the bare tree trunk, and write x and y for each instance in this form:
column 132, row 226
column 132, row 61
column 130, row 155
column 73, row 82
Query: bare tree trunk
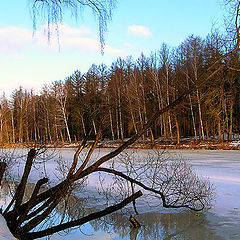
column 20, row 134
column 2, row 170
column 111, row 124
column 159, row 99
column 94, row 127
column 152, row 137
column 38, row 133
column 110, row 119
column 160, row 124
column 219, row 130
column 193, row 118
column 178, row 129
column 231, row 122
column 66, row 125
column 168, row 101
column 200, row 115
column 56, row 127
column 46, row 131
column 164, row 129
column 135, row 84
column 131, row 112
column 61, row 136
column 27, row 134
column 7, row 135
column 117, row 122
column 49, row 130
column 226, row 120
column 120, row 116
column 84, row 129
column 35, row 124
column 139, row 112
column 207, row 129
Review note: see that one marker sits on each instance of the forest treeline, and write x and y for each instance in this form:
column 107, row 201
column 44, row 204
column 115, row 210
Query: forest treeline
column 121, row 98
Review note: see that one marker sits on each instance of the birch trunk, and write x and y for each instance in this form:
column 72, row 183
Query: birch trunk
column 131, row 112
column 200, row 114
column 94, row 127
column 117, row 123
column 193, row 118
column 120, row 116
column 111, row 124
column 219, row 130
column 178, row 129
column 168, row 101
column 110, row 119
column 231, row 122
column 84, row 129
column 66, row 124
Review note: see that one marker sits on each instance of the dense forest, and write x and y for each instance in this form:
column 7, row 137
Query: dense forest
column 121, row 98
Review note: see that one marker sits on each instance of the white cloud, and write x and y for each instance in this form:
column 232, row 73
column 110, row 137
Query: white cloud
column 82, row 39
column 15, row 39
column 138, row 30
column 127, row 44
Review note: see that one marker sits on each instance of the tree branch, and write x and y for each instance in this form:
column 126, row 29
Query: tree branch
column 3, row 166
column 21, row 187
column 90, row 152
column 122, row 175
column 75, row 159
column 90, row 217
column 31, row 200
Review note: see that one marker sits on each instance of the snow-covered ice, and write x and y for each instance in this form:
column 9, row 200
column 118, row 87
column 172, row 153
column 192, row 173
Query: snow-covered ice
column 222, row 167
column 4, row 232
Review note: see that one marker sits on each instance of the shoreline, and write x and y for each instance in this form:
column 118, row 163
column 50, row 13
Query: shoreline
column 184, row 145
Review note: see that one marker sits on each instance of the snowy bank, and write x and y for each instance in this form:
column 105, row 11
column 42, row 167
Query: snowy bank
column 4, row 231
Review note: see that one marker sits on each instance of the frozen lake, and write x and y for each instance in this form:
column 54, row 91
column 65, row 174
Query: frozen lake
column 222, row 167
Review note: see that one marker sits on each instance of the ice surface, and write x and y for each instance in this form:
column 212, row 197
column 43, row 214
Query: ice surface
column 4, row 232
column 222, row 167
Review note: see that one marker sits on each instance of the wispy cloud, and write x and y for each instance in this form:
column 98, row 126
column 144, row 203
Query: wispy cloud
column 138, row 30
column 14, row 40
column 127, row 44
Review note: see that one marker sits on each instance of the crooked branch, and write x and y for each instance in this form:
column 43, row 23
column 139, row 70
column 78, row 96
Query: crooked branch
column 81, row 221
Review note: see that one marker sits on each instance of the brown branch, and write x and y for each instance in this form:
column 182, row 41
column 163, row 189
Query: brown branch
column 38, row 219
column 122, row 175
column 75, row 159
column 21, row 187
column 90, row 152
column 48, row 194
column 233, row 69
column 60, row 191
column 237, row 44
column 134, row 202
column 31, row 200
column 38, row 210
column 81, row 221
column 3, row 166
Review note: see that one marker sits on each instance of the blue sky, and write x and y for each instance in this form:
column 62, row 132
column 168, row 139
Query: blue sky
column 137, row 26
